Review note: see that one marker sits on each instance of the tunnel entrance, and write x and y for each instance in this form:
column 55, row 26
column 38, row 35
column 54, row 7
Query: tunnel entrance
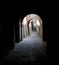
column 31, row 47
column 31, row 23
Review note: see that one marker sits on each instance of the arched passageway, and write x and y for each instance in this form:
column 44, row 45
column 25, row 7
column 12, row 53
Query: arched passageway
column 31, row 23
column 18, row 48
column 30, row 46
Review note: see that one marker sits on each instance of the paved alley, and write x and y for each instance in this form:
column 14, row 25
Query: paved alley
column 31, row 49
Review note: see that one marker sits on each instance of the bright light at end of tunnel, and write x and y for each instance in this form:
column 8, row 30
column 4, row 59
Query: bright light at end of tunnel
column 38, row 23
column 34, row 24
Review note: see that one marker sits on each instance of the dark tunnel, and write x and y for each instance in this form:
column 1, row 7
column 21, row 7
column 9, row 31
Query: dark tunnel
column 15, row 44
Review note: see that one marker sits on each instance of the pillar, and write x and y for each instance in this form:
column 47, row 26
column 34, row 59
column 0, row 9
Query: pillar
column 21, row 32
column 28, row 29
column 41, row 30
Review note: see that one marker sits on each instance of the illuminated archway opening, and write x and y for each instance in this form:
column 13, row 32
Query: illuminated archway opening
column 32, row 22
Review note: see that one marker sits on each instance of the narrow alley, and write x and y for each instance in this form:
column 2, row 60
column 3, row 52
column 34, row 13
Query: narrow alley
column 24, row 33
column 31, row 49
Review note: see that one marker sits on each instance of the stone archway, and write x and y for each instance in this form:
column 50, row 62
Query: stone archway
column 19, row 34
column 30, row 17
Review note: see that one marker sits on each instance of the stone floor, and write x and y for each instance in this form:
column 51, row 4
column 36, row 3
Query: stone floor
column 30, row 50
